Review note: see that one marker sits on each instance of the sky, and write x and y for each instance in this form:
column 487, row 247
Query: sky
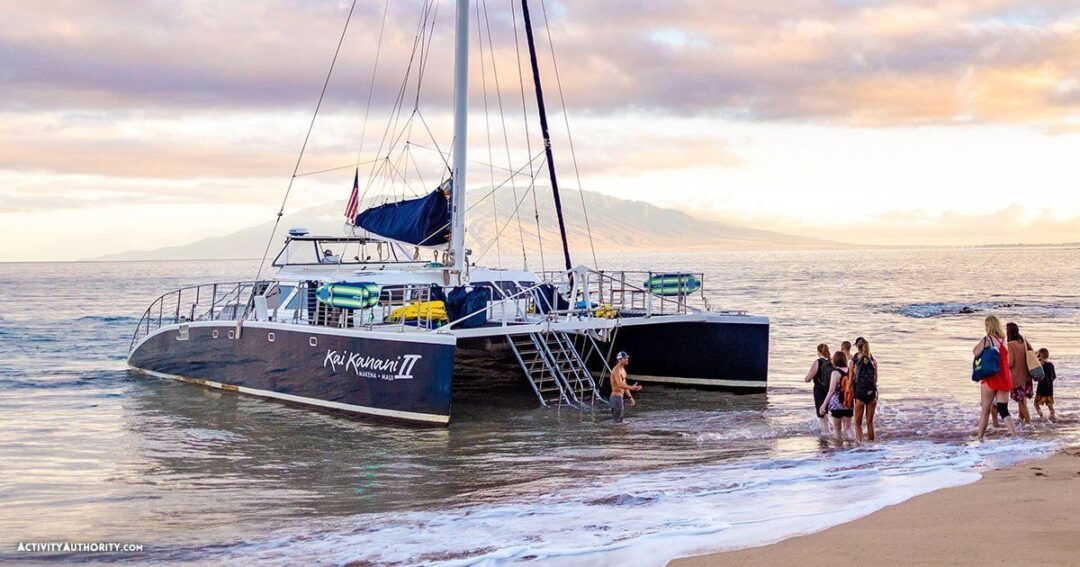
column 138, row 124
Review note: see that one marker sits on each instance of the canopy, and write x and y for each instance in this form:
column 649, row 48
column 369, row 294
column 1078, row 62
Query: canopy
column 424, row 221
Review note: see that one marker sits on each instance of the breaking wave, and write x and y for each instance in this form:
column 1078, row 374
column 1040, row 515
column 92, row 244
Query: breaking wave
column 947, row 309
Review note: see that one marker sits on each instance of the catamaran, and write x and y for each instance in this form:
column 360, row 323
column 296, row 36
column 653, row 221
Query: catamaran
column 373, row 321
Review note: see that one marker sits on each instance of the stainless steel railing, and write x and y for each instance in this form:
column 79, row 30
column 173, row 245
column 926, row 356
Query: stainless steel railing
column 285, row 303
column 572, row 294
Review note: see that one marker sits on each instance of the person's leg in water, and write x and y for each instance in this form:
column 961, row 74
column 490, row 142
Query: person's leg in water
column 993, row 414
column 1025, row 415
column 986, row 399
column 618, row 408
column 1050, row 406
column 1038, row 409
column 860, row 407
column 823, row 422
column 870, row 409
column 1003, row 408
column 838, row 431
column 847, row 428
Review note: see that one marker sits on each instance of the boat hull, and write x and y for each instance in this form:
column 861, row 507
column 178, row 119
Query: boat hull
column 395, row 376
column 721, row 352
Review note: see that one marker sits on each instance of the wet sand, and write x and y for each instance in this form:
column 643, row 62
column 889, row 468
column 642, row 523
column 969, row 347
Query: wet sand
column 1024, row 514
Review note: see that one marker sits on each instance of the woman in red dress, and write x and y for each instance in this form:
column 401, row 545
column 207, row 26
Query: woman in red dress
column 994, row 390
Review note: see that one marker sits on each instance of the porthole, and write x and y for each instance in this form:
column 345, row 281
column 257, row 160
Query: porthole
column 214, row 334
column 232, row 334
column 313, row 341
column 270, row 337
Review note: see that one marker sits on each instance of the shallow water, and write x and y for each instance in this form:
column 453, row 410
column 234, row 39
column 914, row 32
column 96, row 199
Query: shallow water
column 92, row 453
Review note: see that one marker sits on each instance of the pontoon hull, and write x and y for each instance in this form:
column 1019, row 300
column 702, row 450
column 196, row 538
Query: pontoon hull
column 722, row 352
column 402, row 378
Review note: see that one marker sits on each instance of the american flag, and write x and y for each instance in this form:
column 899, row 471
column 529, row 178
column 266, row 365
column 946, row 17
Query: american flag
column 354, row 199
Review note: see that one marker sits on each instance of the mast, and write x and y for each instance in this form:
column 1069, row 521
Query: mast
column 461, row 127
column 544, row 129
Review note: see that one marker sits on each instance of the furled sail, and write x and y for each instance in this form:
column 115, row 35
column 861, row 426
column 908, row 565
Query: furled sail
column 424, row 221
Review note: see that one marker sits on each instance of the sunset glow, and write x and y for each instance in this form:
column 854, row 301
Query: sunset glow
column 136, row 125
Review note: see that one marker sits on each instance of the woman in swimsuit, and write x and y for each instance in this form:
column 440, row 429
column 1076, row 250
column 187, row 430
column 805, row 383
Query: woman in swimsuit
column 994, row 390
column 819, row 373
column 836, row 397
column 865, row 373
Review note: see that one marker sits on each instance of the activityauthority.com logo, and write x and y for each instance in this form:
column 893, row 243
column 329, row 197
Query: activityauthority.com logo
column 78, row 547
column 397, row 368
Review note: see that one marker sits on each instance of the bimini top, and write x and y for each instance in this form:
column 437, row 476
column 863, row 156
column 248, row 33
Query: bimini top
column 424, row 221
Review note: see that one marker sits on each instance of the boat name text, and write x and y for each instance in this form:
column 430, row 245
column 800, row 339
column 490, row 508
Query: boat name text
column 399, row 368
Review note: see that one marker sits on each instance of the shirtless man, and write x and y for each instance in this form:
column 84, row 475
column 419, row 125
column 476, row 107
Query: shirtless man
column 619, row 387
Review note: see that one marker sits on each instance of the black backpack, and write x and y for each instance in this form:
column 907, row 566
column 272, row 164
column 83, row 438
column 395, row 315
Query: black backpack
column 865, row 376
column 824, row 375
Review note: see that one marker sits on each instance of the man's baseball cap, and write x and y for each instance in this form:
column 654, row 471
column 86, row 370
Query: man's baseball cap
column 622, row 354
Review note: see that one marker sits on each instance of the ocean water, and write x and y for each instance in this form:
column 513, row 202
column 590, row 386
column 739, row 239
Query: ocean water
column 91, row 452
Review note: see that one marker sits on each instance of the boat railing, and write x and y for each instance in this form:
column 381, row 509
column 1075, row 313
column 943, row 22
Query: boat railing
column 203, row 302
column 585, row 293
column 683, row 292
column 271, row 301
column 575, row 294
column 387, row 314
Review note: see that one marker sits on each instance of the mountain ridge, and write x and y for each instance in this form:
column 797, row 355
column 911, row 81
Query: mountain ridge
column 617, row 225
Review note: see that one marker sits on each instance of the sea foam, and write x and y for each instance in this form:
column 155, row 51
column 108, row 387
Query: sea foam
column 651, row 517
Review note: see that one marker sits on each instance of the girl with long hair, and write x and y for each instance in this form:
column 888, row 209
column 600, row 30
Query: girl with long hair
column 838, row 397
column 865, row 375
column 994, row 390
column 819, row 373
column 1021, row 378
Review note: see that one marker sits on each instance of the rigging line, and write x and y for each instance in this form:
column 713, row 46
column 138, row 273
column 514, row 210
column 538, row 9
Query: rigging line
column 395, row 168
column 434, row 142
column 416, row 167
column 507, row 223
column 487, row 126
column 376, row 170
column 528, row 136
column 400, row 98
column 569, row 136
column 472, row 161
column 481, row 199
column 403, row 134
column 503, row 184
column 351, row 165
column 506, row 137
column 303, row 147
column 371, row 85
column 425, row 56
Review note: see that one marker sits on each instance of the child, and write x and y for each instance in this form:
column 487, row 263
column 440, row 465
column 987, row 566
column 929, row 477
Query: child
column 1044, row 393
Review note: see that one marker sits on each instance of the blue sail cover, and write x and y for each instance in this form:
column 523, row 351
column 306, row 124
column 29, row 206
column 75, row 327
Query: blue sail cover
column 424, row 221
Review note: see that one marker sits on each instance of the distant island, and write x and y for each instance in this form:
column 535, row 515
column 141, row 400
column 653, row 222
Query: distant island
column 618, row 225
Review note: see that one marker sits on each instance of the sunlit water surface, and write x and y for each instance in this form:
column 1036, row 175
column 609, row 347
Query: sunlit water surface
column 91, row 452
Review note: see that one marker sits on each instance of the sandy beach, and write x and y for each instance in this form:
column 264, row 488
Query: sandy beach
column 1026, row 513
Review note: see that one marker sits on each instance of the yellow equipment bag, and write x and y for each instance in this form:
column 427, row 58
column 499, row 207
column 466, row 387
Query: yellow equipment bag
column 433, row 310
column 606, row 312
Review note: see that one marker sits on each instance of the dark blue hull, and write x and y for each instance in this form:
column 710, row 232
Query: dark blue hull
column 728, row 353
column 396, row 378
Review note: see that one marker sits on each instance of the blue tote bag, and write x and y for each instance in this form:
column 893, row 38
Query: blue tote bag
column 987, row 363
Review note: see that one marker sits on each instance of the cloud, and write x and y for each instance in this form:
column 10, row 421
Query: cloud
column 843, row 62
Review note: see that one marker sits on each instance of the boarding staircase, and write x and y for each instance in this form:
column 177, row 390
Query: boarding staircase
column 555, row 368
